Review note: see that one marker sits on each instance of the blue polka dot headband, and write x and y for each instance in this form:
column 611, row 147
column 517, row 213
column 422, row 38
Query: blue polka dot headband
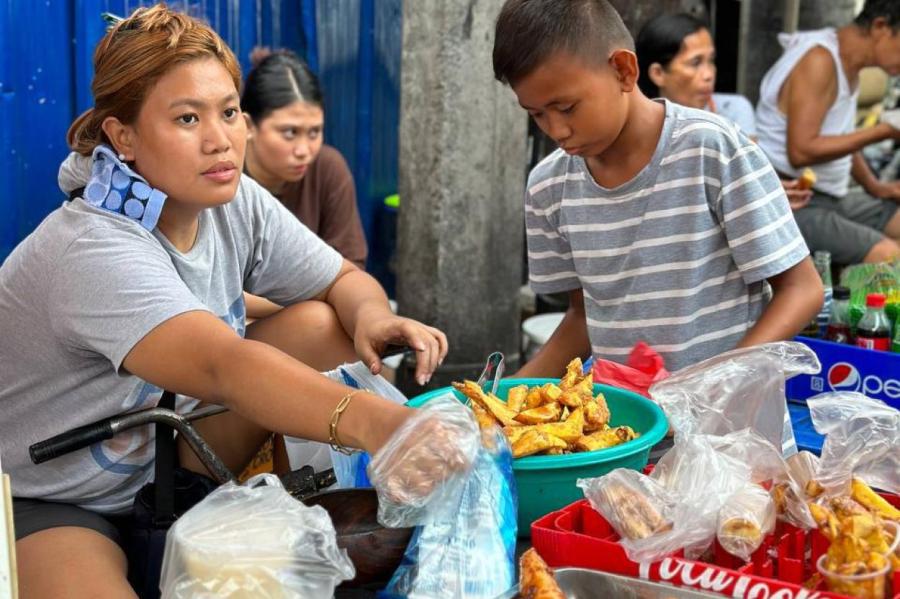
column 113, row 186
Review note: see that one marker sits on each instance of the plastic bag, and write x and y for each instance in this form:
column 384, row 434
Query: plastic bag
column 635, row 505
column 744, row 521
column 687, row 488
column 253, row 540
column 739, row 389
column 862, row 438
column 790, row 491
column 643, row 368
column 423, row 468
column 349, row 470
column 467, row 550
column 678, row 505
column 880, row 277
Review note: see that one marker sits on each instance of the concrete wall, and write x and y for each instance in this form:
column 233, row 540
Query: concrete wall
column 462, row 176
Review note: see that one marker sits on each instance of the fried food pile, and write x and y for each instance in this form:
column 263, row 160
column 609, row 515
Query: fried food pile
column 536, row 579
column 551, row 419
column 860, row 541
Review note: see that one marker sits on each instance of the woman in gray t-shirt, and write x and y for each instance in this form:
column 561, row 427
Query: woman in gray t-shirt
column 135, row 285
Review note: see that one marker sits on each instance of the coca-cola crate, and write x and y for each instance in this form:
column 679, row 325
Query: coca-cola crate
column 578, row 536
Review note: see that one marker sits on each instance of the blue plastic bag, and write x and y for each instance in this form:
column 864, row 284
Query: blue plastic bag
column 466, row 550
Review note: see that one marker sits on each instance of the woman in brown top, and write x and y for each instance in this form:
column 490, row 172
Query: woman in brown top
column 282, row 103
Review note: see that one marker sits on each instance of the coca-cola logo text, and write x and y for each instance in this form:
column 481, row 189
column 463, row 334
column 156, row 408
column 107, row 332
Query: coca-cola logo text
column 719, row 580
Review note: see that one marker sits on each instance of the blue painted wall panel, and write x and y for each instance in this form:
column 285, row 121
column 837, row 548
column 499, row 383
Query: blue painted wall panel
column 46, row 69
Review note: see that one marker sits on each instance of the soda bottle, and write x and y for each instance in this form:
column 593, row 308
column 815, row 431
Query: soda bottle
column 822, row 262
column 874, row 328
column 895, row 346
column 839, row 321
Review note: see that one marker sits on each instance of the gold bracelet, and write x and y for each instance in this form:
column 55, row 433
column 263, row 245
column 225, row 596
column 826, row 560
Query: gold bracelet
column 333, row 439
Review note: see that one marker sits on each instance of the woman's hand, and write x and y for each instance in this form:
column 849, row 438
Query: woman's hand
column 424, row 462
column 378, row 327
column 797, row 198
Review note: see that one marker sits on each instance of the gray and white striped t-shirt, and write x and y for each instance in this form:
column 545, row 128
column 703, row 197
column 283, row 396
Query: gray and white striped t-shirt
column 677, row 256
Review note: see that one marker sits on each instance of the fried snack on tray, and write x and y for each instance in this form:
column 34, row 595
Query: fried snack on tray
column 492, row 404
column 541, row 415
column 609, row 437
column 536, row 579
column 534, row 441
column 864, row 495
column 551, row 419
column 515, row 398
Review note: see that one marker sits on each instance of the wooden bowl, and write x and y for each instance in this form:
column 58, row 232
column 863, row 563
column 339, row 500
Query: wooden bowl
column 375, row 551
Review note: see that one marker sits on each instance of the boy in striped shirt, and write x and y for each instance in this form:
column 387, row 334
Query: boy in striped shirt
column 662, row 222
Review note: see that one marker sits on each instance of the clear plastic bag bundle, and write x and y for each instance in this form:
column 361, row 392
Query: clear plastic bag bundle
column 253, row 541
column 679, row 505
column 744, row 520
column 791, row 489
column 862, row 438
column 736, row 390
column 464, row 548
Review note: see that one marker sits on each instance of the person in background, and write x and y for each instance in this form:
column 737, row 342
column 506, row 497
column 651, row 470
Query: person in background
column 677, row 59
column 283, row 105
column 805, row 118
column 662, row 222
column 135, row 285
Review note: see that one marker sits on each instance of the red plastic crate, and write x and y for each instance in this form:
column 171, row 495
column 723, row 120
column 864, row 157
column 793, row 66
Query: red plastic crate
column 578, row 536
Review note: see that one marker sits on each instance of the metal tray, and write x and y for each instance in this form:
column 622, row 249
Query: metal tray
column 579, row 583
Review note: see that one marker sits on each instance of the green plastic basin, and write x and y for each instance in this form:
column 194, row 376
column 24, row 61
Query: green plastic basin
column 547, row 483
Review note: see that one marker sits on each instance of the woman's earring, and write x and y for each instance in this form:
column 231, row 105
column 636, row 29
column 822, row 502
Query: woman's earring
column 121, row 156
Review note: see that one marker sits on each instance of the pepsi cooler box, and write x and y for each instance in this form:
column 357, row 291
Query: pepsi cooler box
column 847, row 368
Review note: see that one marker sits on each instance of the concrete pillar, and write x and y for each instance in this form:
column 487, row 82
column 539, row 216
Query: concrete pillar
column 763, row 20
column 463, row 157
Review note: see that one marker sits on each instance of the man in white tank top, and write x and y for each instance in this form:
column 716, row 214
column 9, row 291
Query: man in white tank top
column 805, row 118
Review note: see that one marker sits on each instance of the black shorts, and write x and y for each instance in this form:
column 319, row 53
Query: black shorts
column 34, row 515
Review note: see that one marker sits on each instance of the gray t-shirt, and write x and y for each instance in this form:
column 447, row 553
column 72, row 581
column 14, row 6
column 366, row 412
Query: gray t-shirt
column 77, row 295
column 678, row 255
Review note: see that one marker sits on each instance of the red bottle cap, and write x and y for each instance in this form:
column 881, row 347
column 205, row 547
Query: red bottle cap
column 875, row 300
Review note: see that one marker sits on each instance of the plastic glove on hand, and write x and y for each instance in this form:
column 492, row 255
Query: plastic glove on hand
column 425, row 462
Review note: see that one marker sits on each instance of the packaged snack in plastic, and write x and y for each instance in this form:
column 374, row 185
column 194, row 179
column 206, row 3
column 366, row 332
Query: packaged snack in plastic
column 467, row 549
column 862, row 438
column 686, row 489
column 679, row 505
column 635, row 505
column 422, row 470
column 792, row 490
column 253, row 540
column 736, row 390
column 744, row 520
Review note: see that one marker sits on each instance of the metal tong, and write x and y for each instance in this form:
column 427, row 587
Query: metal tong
column 493, row 370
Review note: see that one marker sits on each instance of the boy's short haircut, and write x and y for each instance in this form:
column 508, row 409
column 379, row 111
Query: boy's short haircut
column 528, row 32
column 889, row 10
